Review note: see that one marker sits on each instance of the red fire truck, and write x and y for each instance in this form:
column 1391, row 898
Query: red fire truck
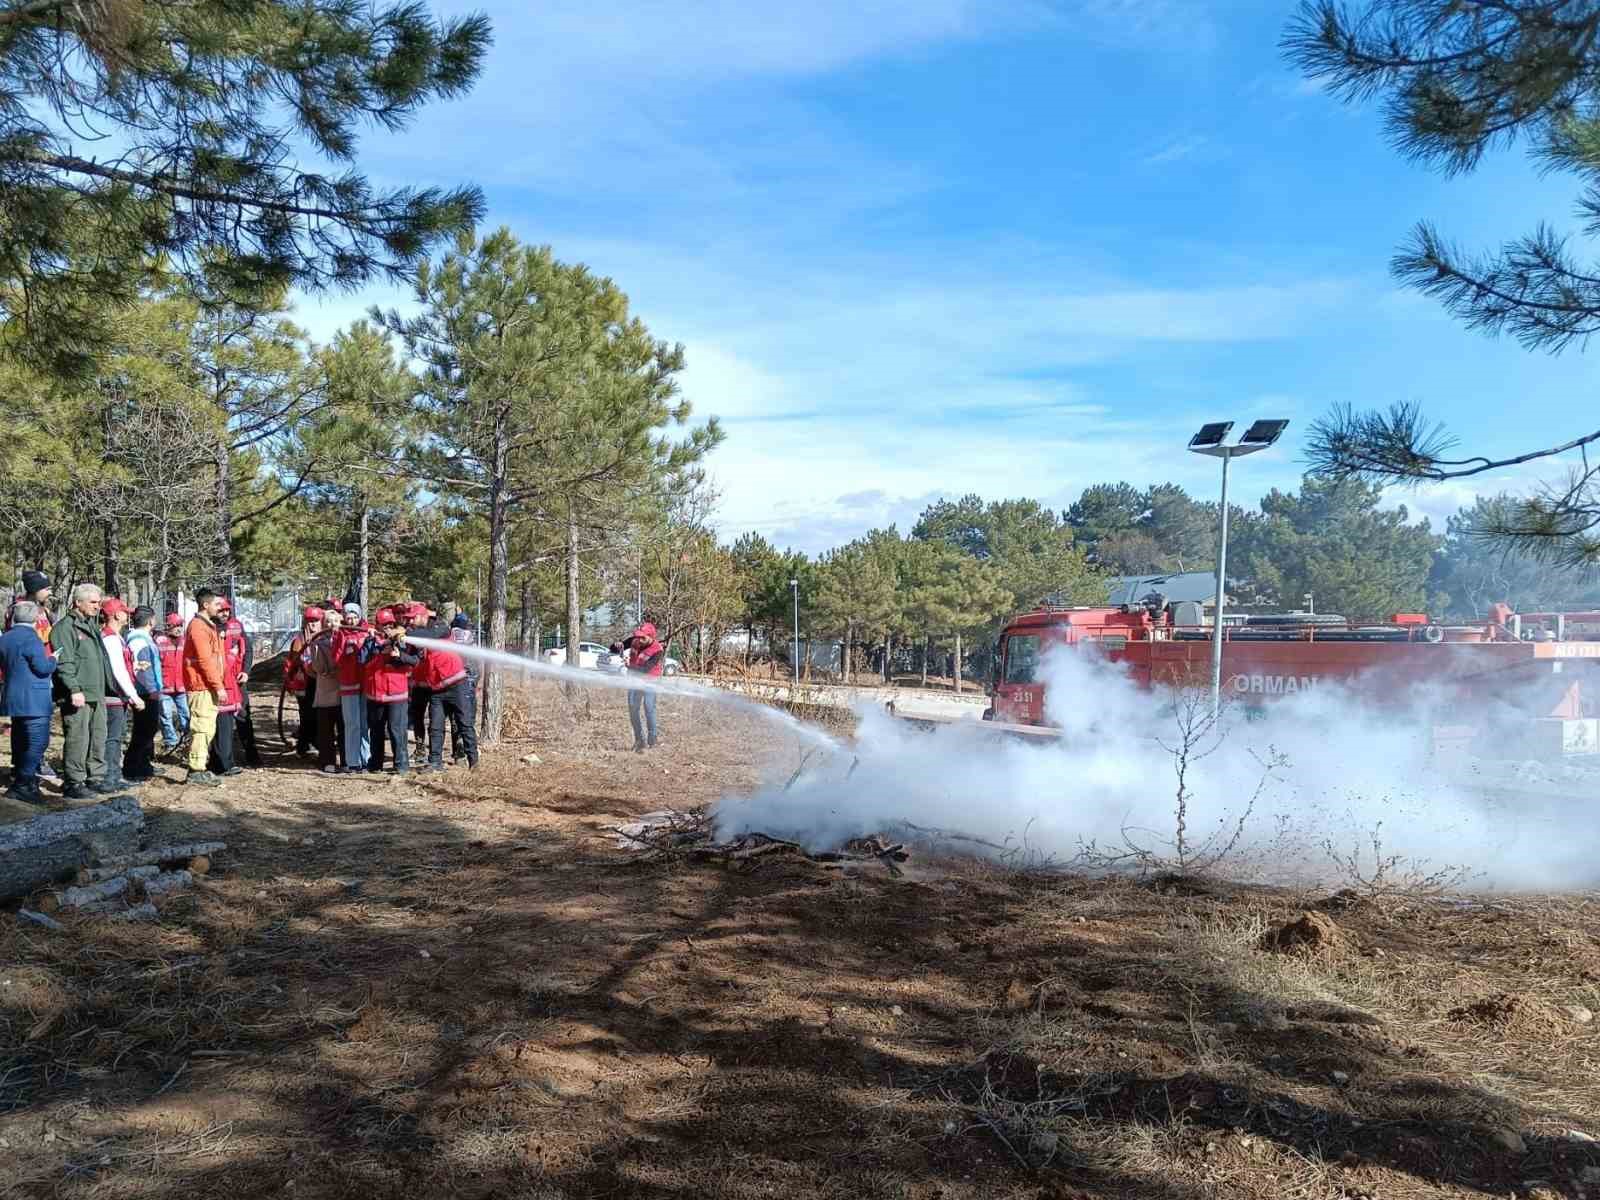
column 1479, row 676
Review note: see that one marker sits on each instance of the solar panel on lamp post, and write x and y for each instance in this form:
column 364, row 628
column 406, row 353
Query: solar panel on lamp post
column 1211, row 441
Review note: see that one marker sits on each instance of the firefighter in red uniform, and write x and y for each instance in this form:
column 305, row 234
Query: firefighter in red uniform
column 443, row 676
column 298, row 683
column 386, row 666
column 174, row 701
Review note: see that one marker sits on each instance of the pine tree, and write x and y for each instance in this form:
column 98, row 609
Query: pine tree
column 544, row 400
column 1031, row 548
column 857, row 592
column 1459, row 79
column 204, row 103
column 1332, row 539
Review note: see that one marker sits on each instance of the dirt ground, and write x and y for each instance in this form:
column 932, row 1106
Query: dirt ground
column 464, row 988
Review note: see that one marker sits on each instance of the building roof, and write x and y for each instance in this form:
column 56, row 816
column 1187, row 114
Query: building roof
column 1180, row 585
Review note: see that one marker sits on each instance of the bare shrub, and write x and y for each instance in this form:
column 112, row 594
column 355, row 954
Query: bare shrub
column 1199, row 732
column 1371, row 872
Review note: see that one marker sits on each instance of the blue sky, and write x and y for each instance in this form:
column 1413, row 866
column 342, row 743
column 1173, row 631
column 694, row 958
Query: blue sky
column 1014, row 247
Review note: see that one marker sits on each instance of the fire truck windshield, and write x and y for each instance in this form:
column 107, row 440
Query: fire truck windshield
column 1022, row 657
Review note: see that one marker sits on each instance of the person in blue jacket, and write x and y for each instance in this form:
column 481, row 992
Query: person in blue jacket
column 28, row 668
column 139, row 762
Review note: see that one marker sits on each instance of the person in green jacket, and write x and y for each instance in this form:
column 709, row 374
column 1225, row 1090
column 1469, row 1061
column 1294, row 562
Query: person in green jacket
column 83, row 676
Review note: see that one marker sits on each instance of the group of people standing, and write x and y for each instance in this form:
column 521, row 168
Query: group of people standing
column 360, row 686
column 118, row 683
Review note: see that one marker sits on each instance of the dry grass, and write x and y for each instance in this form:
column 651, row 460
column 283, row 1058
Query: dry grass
column 461, row 987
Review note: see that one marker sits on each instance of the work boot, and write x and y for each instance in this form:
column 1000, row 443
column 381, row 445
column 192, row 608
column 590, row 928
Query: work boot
column 20, row 793
column 106, row 787
column 203, row 779
column 232, row 771
column 78, row 791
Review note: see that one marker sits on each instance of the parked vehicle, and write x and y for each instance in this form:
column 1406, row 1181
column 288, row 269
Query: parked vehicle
column 588, row 655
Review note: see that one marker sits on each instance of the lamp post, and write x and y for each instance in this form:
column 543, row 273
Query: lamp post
column 1209, row 441
column 794, row 588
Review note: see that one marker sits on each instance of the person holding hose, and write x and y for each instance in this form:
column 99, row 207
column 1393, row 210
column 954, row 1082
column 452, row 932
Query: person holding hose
column 386, row 666
column 443, row 675
column 323, row 669
column 645, row 657
column 298, row 682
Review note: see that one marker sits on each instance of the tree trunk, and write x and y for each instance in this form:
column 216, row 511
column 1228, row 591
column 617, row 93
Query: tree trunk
column 113, row 585
column 525, row 616
column 927, row 650
column 164, row 568
column 574, row 613
column 849, row 638
column 221, row 503
column 888, row 657
column 494, row 686
column 749, row 643
column 363, row 562
column 958, row 664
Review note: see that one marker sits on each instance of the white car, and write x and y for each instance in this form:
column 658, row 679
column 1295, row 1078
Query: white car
column 588, row 655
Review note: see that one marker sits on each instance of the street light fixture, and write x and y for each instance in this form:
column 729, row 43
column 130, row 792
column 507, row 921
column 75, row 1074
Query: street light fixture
column 1210, row 441
column 794, row 586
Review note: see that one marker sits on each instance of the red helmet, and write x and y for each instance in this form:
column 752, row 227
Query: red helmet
column 174, row 621
column 226, row 605
column 313, row 614
column 385, row 618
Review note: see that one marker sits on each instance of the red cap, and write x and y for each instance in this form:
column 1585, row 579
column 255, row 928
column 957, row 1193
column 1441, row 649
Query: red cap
column 226, row 606
column 174, row 621
column 385, row 618
column 112, row 607
column 314, row 614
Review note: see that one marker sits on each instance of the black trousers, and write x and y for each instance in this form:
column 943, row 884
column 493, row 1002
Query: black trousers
column 421, row 700
column 469, row 720
column 140, row 760
column 305, row 737
column 221, row 759
column 244, row 733
column 328, row 738
column 454, row 702
column 116, row 731
column 388, row 720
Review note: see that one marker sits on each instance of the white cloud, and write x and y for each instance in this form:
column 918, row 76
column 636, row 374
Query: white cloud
column 1186, row 146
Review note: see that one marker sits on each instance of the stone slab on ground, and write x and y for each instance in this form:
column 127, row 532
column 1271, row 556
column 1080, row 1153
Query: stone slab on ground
column 50, row 848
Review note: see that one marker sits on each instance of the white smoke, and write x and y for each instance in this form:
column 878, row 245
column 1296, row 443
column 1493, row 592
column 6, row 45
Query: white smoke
column 1346, row 771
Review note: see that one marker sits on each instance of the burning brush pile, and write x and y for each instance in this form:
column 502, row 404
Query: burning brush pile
column 692, row 834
